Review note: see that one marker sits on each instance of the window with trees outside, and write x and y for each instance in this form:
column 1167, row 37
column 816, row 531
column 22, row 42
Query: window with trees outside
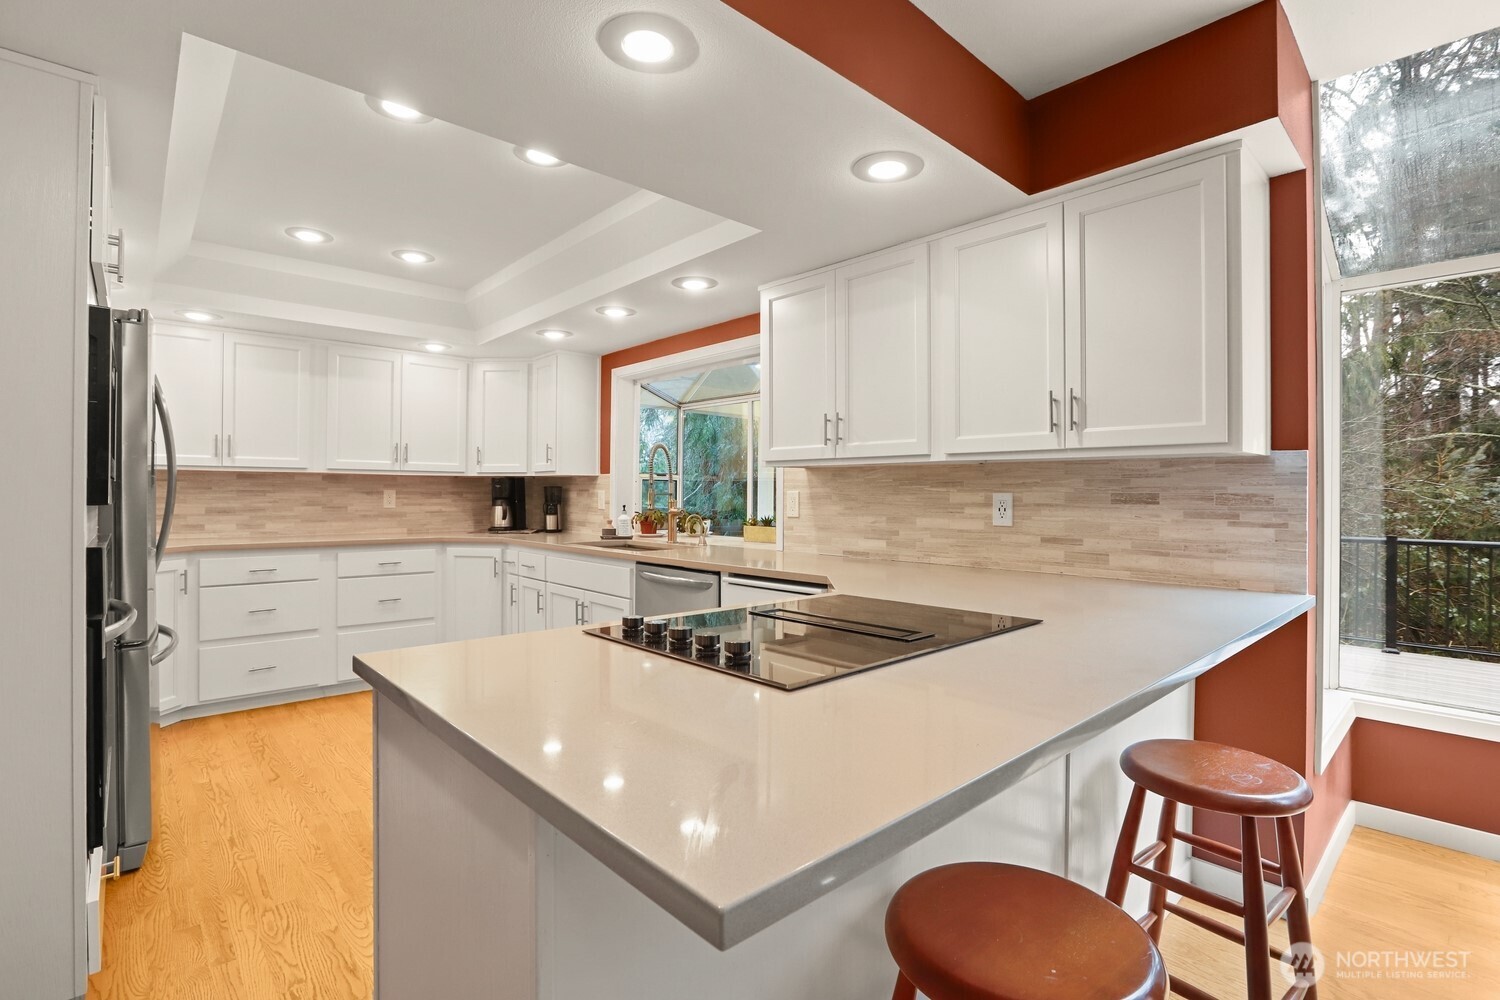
column 1410, row 177
column 709, row 422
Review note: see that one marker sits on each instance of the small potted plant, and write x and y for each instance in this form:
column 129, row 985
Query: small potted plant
column 762, row 530
column 647, row 521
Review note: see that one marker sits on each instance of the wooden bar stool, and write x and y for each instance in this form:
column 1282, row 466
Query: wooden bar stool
column 982, row 931
column 1240, row 783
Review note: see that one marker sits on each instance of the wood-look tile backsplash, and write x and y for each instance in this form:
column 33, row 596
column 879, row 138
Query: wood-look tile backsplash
column 1238, row 523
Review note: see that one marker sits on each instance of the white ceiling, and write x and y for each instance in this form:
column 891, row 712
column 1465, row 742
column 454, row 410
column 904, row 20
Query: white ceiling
column 1339, row 37
column 1037, row 47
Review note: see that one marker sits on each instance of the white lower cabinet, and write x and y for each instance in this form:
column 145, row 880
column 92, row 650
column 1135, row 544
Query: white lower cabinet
column 245, row 668
column 599, row 609
column 476, row 597
column 353, row 642
column 259, row 638
column 171, row 612
column 564, row 606
column 532, row 616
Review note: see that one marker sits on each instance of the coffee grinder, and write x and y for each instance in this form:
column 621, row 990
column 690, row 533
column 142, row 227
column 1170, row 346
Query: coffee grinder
column 552, row 512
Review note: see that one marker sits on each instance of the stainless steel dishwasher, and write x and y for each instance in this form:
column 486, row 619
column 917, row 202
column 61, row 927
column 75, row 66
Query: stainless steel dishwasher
column 667, row 590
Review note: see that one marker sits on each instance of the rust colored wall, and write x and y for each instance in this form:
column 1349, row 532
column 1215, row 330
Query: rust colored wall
column 734, row 329
column 1438, row 775
column 897, row 53
column 1333, row 790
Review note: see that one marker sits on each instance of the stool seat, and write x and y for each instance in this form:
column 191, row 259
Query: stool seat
column 1217, row 777
column 983, row 931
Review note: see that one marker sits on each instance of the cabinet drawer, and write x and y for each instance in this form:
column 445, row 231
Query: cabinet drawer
column 613, row 577
column 248, row 610
column 386, row 562
column 373, row 600
column 273, row 567
column 531, row 563
column 257, row 667
column 378, row 640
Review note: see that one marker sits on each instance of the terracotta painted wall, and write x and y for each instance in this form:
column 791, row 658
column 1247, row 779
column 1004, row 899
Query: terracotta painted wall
column 1445, row 777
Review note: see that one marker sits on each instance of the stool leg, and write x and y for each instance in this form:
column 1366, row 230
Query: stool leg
column 1119, row 871
column 1298, row 923
column 1166, row 832
column 904, row 988
column 1257, row 936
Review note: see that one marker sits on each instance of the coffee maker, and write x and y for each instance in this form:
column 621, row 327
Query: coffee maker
column 507, row 503
column 552, row 508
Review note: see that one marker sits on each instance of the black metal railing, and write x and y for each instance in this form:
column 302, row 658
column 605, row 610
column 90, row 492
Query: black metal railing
column 1421, row 594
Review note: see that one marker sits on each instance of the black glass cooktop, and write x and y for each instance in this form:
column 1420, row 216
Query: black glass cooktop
column 796, row 643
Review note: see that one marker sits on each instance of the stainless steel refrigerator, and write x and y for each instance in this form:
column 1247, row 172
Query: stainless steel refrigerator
column 125, row 405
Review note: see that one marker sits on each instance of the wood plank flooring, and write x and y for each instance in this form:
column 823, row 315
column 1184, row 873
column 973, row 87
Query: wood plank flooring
column 258, row 886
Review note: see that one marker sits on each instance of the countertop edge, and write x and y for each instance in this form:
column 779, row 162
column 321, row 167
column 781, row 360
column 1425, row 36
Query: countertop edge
column 726, row 927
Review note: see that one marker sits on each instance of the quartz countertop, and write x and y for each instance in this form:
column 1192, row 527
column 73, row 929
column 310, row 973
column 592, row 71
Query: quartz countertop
column 732, row 804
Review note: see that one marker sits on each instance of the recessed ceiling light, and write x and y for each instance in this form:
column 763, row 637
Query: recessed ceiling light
column 413, row 256
column 538, row 157
column 400, row 112
column 884, row 168
column 435, row 346
column 554, row 334
column 615, row 312
column 306, row 235
column 651, row 43
column 694, row 283
column 198, row 315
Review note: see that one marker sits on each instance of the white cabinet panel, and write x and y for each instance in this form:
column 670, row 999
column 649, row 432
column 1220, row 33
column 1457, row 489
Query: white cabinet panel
column 189, row 364
column 882, row 408
column 604, row 576
column 510, row 616
column 246, row 668
column 476, row 595
column 257, row 609
column 434, row 413
column 386, row 562
column 170, row 595
column 533, row 612
column 1148, row 310
column 499, row 416
column 267, row 402
column 364, row 410
column 564, row 606
column 374, row 600
column 268, row 567
column 598, row 609
column 798, row 347
column 106, row 246
column 544, row 415
column 998, row 335
column 378, row 640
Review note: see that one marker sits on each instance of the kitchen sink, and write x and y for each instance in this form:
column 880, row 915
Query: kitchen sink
column 632, row 545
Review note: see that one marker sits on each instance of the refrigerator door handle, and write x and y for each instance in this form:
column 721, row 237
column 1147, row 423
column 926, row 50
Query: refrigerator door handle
column 170, row 441
column 162, row 654
column 128, row 615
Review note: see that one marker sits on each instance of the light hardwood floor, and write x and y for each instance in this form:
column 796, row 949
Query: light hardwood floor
column 257, row 885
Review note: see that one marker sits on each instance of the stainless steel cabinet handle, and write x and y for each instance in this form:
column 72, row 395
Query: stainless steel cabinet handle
column 389, row 600
column 549, row 453
column 538, row 602
column 1051, row 411
column 496, row 564
column 392, row 562
column 216, row 446
column 588, row 613
column 1072, row 410
column 272, row 570
column 577, row 612
column 676, row 581
column 406, row 453
column 268, row 666
column 260, row 611
column 396, row 453
column 838, row 428
column 512, row 595
column 827, row 429
column 229, row 446
column 183, row 589
column 478, row 458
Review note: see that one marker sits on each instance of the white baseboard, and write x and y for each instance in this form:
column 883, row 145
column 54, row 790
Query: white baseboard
column 1320, row 876
column 1429, row 831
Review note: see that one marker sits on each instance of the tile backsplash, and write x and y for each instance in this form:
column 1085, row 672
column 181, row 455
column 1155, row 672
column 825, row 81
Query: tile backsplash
column 1238, row 523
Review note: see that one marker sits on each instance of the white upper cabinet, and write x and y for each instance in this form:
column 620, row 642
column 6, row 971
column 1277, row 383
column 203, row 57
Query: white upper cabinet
column 1148, row 310
column 798, row 383
column 998, row 335
column 189, row 365
column 267, row 402
column 880, row 314
column 364, row 408
column 434, row 413
column 499, row 409
column 564, row 412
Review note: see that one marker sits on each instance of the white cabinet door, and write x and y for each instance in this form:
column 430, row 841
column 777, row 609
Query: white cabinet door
column 998, row 335
column 1148, row 312
column 798, row 346
column 564, row 606
column 533, row 614
column 599, row 609
column 883, row 346
column 364, row 410
column 190, row 366
column 434, row 413
column 498, row 416
column 544, row 415
column 170, row 595
column 267, row 402
column 476, row 597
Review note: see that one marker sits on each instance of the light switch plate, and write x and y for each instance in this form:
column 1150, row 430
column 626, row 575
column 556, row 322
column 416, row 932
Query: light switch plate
column 1002, row 510
column 793, row 503
column 389, row 500
column 599, row 498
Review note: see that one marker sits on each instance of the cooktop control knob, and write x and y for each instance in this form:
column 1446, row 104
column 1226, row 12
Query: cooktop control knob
column 680, row 635
column 707, row 645
column 632, row 625
column 737, row 653
column 656, row 631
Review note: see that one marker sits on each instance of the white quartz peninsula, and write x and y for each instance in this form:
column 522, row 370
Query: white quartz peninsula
column 562, row 817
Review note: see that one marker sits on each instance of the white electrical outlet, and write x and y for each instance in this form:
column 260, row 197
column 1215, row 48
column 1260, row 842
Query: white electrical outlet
column 1002, row 510
column 389, row 500
column 599, row 499
column 793, row 503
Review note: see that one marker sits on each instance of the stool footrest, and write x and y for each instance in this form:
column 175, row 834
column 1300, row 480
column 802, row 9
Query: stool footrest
column 1279, row 904
column 1198, row 893
column 1223, row 850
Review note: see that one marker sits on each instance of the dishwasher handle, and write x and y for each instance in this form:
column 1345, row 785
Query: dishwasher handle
column 677, row 581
